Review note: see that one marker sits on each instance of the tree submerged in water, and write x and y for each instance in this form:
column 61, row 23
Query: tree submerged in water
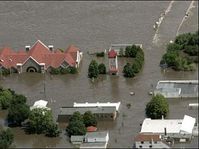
column 6, row 138
column 157, row 107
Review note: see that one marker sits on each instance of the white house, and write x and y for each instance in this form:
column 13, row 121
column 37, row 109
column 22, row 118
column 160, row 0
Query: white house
column 175, row 128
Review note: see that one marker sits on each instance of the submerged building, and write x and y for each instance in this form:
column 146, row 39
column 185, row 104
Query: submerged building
column 177, row 88
column 39, row 58
column 151, row 140
column 174, row 128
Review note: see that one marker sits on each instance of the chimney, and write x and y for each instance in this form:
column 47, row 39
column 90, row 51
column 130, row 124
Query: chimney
column 27, row 48
column 51, row 48
column 165, row 131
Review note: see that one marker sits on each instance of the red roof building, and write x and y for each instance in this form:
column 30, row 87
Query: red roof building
column 91, row 129
column 112, row 54
column 38, row 56
column 113, row 63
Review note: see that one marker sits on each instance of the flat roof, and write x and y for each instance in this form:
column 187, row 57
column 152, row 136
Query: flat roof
column 186, row 87
column 171, row 125
column 157, row 126
column 98, row 104
column 101, row 134
column 82, row 110
column 188, row 124
column 76, row 138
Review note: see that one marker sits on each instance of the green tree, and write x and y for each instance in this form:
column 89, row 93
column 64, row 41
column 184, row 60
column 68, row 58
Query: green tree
column 55, row 71
column 136, row 67
column 102, row 68
column 131, row 51
column 39, row 119
column 76, row 125
column 128, row 71
column 170, row 57
column 93, row 71
column 174, row 47
column 76, row 116
column 6, row 138
column 72, row 70
column 52, row 130
column 5, row 99
column 76, row 128
column 17, row 113
column 157, row 107
column 191, row 50
column 89, row 119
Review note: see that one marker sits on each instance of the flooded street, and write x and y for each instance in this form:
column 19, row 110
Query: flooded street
column 94, row 26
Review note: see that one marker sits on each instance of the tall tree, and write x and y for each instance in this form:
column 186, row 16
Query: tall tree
column 93, row 71
column 89, row 119
column 157, row 107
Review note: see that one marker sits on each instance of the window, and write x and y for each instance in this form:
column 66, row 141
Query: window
column 140, row 146
column 142, row 142
column 155, row 142
column 150, row 142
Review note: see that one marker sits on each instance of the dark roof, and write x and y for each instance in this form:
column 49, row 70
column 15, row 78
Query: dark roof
column 147, row 137
column 82, row 110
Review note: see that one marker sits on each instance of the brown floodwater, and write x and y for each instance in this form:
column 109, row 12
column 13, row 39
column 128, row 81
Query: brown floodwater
column 94, row 26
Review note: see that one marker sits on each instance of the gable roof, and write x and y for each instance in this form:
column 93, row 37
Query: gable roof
column 40, row 53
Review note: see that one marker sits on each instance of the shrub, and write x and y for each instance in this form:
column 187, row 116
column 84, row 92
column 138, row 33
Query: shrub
column 102, row 68
column 100, row 54
column 55, row 71
column 6, row 138
column 128, row 71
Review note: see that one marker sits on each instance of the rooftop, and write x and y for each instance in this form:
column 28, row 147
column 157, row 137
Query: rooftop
column 101, row 134
column 40, row 53
column 147, row 137
column 82, row 110
column 182, row 88
column 171, row 125
column 76, row 138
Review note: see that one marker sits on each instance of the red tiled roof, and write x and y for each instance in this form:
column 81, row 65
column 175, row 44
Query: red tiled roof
column 91, row 129
column 147, row 137
column 41, row 54
column 112, row 54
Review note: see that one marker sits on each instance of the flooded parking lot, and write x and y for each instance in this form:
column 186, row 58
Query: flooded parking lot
column 91, row 26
